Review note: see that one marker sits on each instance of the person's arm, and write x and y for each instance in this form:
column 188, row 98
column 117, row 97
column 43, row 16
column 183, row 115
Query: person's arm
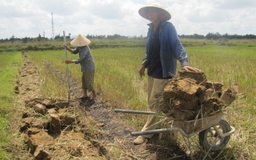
column 69, row 61
column 177, row 47
column 179, row 51
column 143, row 66
column 189, row 68
column 144, row 63
column 70, row 50
column 67, row 48
column 142, row 70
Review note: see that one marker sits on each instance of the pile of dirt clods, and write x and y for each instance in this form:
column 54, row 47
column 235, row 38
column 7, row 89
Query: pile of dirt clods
column 53, row 127
column 189, row 95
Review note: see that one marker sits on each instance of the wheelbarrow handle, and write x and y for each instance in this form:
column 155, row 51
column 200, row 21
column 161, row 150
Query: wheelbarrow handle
column 222, row 135
column 155, row 131
column 134, row 111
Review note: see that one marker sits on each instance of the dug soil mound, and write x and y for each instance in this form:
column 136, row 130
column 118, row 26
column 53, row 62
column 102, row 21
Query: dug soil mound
column 189, row 95
column 49, row 128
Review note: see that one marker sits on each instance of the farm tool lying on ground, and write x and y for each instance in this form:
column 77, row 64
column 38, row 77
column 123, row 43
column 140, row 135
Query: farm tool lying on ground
column 195, row 106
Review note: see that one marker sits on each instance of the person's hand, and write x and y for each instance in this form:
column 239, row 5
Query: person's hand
column 142, row 71
column 65, row 46
column 188, row 68
column 68, row 61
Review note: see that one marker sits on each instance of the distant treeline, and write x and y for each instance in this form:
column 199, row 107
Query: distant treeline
column 117, row 36
column 39, row 38
column 219, row 36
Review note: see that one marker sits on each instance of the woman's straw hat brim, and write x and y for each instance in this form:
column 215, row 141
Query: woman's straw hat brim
column 80, row 41
column 143, row 11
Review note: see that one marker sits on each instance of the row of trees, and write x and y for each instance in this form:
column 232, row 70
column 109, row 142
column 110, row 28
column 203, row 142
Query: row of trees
column 219, row 36
column 39, row 38
column 117, row 36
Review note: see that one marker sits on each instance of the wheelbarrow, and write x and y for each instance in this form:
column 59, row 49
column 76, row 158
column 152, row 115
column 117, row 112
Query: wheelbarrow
column 213, row 131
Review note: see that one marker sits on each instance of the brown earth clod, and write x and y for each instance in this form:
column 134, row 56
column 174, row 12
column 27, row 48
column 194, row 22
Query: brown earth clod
column 190, row 93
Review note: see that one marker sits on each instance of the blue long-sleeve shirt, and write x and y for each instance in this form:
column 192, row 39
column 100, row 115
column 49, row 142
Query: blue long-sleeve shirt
column 171, row 48
column 85, row 58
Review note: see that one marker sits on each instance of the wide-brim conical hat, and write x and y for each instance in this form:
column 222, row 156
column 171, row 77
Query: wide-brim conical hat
column 143, row 11
column 80, row 41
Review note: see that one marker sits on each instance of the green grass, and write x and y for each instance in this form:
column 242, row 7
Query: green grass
column 10, row 64
column 49, row 63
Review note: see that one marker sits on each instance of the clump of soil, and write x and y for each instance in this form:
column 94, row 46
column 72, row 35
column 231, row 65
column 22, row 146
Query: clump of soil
column 49, row 123
column 189, row 95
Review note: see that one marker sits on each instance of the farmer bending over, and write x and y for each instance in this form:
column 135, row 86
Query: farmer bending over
column 86, row 61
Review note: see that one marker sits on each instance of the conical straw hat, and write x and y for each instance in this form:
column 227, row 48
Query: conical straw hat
column 80, row 41
column 143, row 11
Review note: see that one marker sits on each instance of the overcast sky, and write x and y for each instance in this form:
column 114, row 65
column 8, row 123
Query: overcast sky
column 29, row 18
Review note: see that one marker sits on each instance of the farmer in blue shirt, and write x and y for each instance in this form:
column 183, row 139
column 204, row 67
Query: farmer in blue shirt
column 86, row 61
column 163, row 50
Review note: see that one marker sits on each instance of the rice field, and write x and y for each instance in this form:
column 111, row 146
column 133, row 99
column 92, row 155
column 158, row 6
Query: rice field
column 117, row 80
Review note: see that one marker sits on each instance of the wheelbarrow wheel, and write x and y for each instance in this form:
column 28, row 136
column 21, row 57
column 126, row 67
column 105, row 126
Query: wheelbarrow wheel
column 209, row 138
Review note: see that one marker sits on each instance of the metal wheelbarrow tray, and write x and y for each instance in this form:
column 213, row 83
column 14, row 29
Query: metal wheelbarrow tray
column 198, row 125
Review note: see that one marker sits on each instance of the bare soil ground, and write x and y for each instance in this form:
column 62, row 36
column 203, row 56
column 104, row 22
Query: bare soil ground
column 46, row 128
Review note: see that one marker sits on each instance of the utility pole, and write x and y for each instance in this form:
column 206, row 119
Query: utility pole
column 52, row 28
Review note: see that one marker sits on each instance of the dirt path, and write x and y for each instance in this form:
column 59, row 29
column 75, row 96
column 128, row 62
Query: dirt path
column 47, row 128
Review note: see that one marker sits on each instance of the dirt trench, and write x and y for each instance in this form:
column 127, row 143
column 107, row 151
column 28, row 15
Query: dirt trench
column 47, row 128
